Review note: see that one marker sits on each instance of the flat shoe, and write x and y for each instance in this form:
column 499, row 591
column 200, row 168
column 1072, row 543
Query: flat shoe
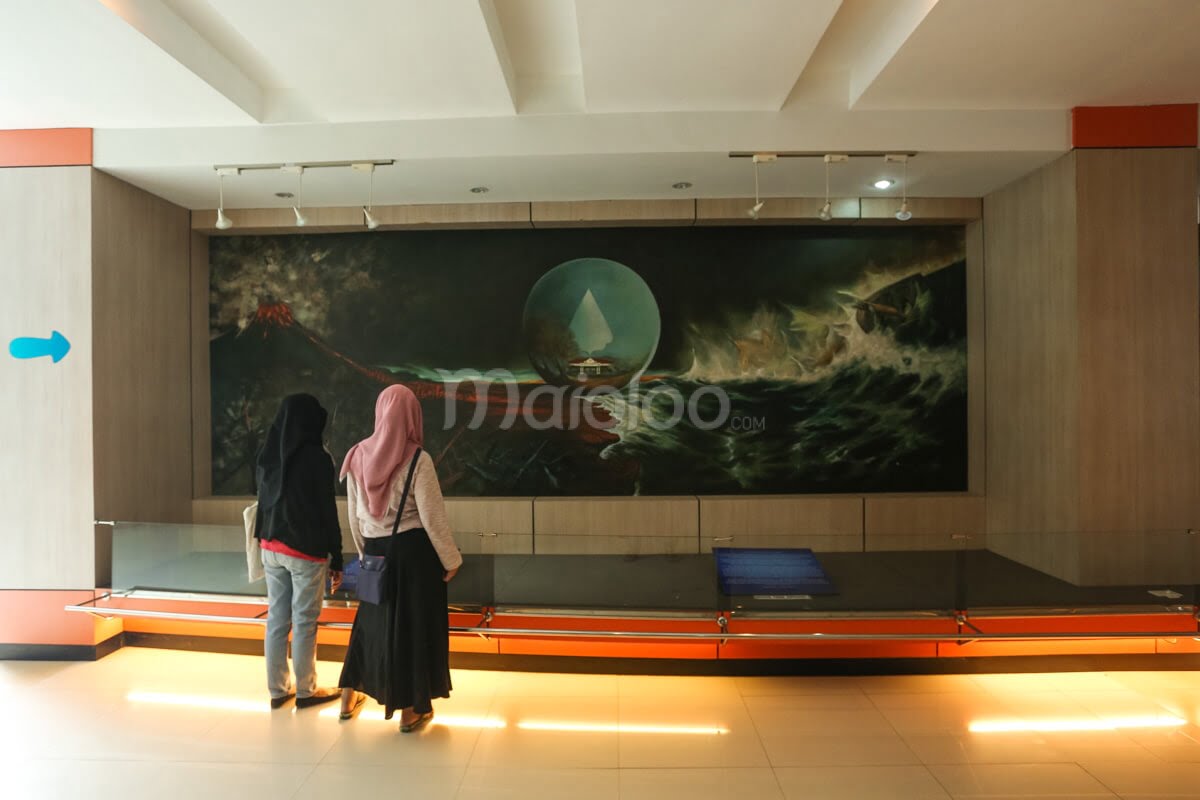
column 359, row 699
column 279, row 702
column 318, row 697
column 417, row 723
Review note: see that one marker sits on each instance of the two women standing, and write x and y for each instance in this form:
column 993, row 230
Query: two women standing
column 399, row 647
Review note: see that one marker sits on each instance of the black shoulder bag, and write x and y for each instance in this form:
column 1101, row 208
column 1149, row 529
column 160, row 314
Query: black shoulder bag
column 372, row 580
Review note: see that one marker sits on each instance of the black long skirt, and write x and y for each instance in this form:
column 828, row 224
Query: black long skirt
column 399, row 649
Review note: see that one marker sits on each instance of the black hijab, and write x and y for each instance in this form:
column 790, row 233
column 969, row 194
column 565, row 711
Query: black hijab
column 299, row 423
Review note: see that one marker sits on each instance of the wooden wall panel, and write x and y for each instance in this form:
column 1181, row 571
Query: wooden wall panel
column 775, row 211
column 976, row 362
column 343, row 220
column 491, row 524
column 511, row 519
column 1032, row 345
column 460, row 215
column 925, row 210
column 821, row 523
column 46, row 487
column 201, row 373
column 1139, row 305
column 279, row 220
column 900, row 522
column 141, row 304
column 616, row 516
column 633, row 525
column 612, row 213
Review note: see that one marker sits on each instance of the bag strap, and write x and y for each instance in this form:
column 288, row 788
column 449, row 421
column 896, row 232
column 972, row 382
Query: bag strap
column 404, row 497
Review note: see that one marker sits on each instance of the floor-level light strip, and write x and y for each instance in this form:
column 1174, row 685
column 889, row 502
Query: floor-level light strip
column 1055, row 725
column 445, row 721
column 600, row 727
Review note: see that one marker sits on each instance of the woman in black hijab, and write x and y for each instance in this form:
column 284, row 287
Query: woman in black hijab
column 298, row 532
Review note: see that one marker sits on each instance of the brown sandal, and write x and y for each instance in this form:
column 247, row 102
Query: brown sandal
column 355, row 705
column 417, row 723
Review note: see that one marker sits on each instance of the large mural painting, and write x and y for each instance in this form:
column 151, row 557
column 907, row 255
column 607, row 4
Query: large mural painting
column 609, row 362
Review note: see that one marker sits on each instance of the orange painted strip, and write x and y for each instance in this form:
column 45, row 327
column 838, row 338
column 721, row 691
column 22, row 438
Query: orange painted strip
column 1047, row 648
column 1107, row 623
column 607, row 648
column 46, row 147
column 37, row 617
column 780, row 649
column 1135, row 126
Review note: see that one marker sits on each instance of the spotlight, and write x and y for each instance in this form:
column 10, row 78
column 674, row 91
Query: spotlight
column 369, row 168
column 224, row 223
column 301, row 220
column 758, row 158
column 883, row 183
column 826, row 212
column 902, row 213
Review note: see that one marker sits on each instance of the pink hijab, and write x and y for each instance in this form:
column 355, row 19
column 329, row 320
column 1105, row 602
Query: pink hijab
column 398, row 433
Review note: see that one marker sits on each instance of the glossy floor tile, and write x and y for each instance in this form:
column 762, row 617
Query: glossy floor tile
column 147, row 723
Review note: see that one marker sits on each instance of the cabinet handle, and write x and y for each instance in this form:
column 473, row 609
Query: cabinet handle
column 722, row 538
column 493, row 535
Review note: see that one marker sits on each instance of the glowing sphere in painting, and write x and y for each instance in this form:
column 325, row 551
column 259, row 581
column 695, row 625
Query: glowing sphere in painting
column 591, row 322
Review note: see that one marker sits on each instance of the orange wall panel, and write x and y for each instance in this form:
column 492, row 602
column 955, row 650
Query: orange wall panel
column 37, row 617
column 1135, row 126
column 46, row 147
column 1047, row 648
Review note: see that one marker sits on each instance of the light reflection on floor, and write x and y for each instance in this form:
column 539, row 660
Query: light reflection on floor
column 153, row 723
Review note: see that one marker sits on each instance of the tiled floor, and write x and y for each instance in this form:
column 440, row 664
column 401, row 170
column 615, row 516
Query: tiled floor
column 162, row 724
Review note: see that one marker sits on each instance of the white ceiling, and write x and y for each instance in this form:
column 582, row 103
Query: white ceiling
column 581, row 99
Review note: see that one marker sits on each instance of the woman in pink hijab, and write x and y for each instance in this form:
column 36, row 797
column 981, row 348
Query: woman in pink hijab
column 399, row 650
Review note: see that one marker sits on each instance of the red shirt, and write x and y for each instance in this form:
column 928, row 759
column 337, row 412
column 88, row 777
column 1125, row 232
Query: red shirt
column 276, row 546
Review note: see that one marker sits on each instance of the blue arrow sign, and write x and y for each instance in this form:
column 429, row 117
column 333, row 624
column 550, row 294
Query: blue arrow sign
column 28, row 347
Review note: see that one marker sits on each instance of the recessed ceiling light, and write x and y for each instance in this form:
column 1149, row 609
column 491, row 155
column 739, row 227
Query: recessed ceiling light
column 285, row 195
column 681, row 185
column 479, row 190
column 883, row 183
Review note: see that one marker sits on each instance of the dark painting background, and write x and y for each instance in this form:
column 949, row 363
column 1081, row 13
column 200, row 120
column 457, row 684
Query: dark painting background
column 842, row 353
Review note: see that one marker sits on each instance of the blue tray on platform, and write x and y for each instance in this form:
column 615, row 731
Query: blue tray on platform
column 773, row 572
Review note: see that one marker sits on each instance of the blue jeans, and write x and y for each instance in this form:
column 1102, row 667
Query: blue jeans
column 295, row 592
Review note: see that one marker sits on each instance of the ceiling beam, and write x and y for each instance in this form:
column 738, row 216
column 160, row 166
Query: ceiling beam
column 881, row 35
column 491, row 18
column 824, row 130
column 160, row 25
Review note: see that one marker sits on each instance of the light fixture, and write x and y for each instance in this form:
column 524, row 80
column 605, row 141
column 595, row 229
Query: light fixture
column 681, row 185
column 883, row 183
column 301, row 220
column 758, row 158
column 902, row 213
column 1074, row 724
column 621, row 727
column 369, row 168
column 224, row 223
column 826, row 212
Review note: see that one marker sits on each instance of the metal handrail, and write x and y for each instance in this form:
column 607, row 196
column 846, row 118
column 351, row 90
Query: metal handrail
column 717, row 635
